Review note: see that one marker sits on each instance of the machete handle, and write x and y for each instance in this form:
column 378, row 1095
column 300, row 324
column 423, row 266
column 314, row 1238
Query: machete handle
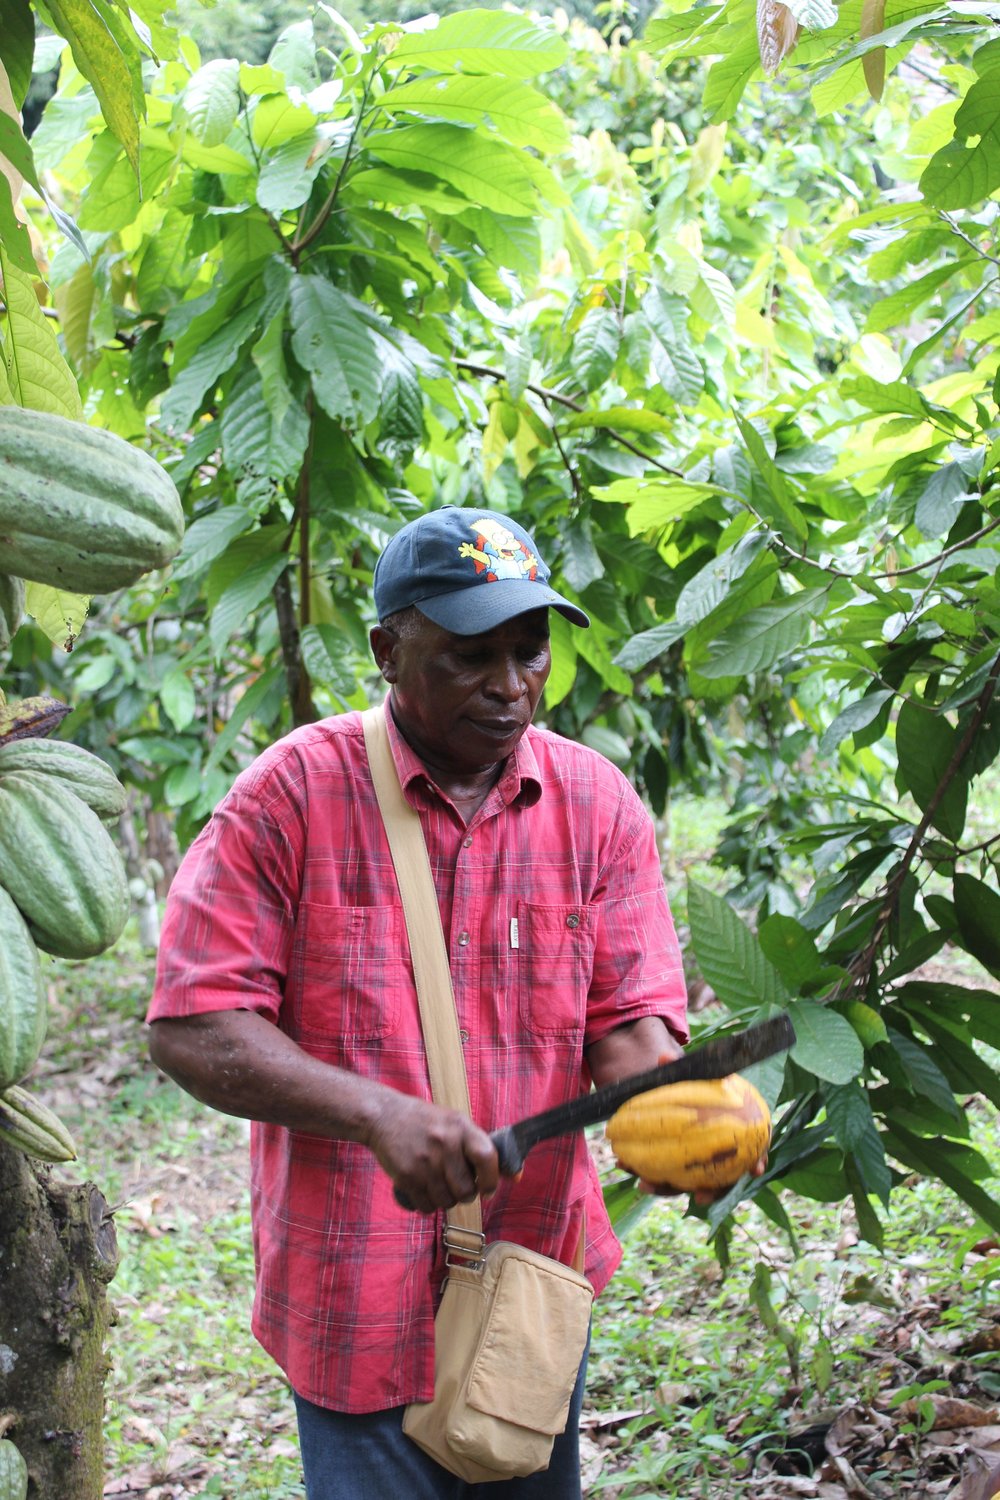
column 509, row 1154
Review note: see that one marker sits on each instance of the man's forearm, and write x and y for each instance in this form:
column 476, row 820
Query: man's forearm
column 631, row 1049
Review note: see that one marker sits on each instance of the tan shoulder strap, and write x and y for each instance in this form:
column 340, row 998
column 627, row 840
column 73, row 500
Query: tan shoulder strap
column 431, row 970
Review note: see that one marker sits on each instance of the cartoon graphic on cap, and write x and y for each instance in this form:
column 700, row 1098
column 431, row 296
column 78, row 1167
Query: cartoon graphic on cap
column 498, row 553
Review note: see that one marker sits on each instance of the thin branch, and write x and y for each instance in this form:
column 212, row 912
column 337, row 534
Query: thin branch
column 993, row 259
column 302, row 240
column 547, row 395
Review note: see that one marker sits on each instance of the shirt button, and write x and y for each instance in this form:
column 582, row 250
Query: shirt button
column 572, row 920
column 464, row 1035
column 463, row 938
column 467, row 843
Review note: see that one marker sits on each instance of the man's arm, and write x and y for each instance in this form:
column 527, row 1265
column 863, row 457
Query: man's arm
column 240, row 1063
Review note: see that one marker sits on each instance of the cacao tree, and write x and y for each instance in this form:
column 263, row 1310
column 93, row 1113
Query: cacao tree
column 81, row 510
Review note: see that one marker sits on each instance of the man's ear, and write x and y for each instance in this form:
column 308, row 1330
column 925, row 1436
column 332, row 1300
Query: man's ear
column 383, row 644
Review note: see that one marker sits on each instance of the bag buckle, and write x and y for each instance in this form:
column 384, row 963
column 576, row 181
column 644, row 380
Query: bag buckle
column 463, row 1248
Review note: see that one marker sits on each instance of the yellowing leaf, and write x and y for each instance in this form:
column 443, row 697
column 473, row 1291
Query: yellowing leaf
column 37, row 374
column 59, row 614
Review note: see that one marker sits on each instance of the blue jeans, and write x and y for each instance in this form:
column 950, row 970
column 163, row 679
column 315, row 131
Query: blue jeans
column 368, row 1458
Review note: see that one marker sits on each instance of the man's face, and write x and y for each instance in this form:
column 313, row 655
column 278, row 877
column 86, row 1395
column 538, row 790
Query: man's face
column 464, row 701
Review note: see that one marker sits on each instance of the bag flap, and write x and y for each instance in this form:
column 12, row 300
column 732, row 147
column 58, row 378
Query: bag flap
column 530, row 1354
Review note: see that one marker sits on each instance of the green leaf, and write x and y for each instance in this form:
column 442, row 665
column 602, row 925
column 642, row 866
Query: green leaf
column 960, row 175
column 923, row 1073
column 729, row 956
column 595, row 347
column 940, row 500
column 899, row 307
column 826, row 1044
column 791, row 949
column 932, row 1160
column 727, row 80
column 618, row 419
column 675, row 363
column 326, row 653
column 209, row 362
column 977, row 908
column 781, row 511
column 110, row 63
column 481, row 168
column 483, row 41
column 925, row 744
column 520, row 113
column 241, row 598
column 37, row 374
column 332, row 341
column 17, row 45
column 178, row 698
column 762, row 636
column 854, row 717
column 208, row 537
column 246, row 706
column 212, row 100
column 14, row 234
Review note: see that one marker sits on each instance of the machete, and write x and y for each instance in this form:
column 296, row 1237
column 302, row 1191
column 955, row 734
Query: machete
column 716, row 1059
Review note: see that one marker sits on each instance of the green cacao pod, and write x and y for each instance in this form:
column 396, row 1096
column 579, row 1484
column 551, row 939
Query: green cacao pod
column 87, row 775
column 61, row 866
column 11, row 607
column 22, row 995
column 28, row 1124
column 81, row 509
column 13, row 1472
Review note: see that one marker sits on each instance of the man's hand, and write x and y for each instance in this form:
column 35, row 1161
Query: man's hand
column 435, row 1157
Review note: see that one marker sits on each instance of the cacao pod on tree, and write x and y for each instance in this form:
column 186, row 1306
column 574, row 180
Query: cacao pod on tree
column 11, row 607
column 32, row 1127
column 61, row 866
column 89, row 777
column 80, row 508
column 13, row 1472
column 702, row 1135
column 22, row 996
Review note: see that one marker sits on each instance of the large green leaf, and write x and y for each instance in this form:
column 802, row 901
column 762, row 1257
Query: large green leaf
column 595, row 347
column 923, row 1073
column 14, row 234
column 333, row 342
column 480, row 167
column 242, row 597
column 781, row 512
column 483, row 41
column 826, row 1044
column 762, row 637
column 17, row 45
column 934, row 1159
column 209, row 362
column 729, row 956
column 925, row 746
column 212, row 100
column 519, row 112
column 961, row 175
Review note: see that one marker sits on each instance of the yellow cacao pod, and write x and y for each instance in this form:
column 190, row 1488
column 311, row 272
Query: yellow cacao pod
column 702, row 1135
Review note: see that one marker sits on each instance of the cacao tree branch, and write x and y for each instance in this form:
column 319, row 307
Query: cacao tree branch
column 490, row 372
column 303, row 708
column 860, row 969
column 301, row 240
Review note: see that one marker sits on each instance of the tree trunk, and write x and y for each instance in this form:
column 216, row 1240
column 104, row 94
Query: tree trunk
column 58, row 1251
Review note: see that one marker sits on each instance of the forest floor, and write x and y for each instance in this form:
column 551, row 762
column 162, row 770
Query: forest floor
column 831, row 1372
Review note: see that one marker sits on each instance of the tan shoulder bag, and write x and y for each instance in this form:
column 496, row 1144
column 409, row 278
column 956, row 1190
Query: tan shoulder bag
column 512, row 1326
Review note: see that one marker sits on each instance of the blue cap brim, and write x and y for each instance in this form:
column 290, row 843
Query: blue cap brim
column 484, row 606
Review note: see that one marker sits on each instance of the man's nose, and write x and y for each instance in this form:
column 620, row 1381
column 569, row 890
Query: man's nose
column 506, row 679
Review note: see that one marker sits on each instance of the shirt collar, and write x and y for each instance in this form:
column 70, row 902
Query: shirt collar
column 520, row 780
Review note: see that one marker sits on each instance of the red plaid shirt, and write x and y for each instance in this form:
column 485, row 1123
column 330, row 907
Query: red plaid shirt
column 558, row 931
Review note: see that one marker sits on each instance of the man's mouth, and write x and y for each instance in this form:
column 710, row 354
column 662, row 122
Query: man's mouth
column 500, row 729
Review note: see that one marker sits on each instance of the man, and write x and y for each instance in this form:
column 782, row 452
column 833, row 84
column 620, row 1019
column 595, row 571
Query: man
column 285, row 995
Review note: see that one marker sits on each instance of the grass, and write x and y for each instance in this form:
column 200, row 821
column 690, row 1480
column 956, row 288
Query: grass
column 700, row 1382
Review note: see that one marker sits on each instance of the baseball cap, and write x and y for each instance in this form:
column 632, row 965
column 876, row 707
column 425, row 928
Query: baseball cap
column 467, row 570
